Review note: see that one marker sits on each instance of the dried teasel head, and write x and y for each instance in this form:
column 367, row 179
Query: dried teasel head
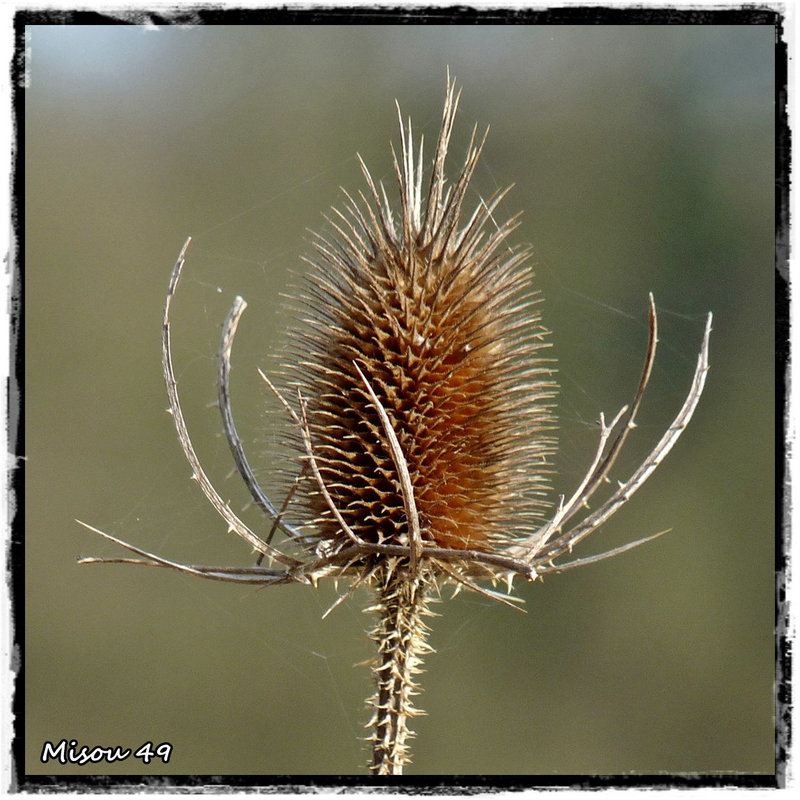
column 426, row 400
column 421, row 402
column 438, row 311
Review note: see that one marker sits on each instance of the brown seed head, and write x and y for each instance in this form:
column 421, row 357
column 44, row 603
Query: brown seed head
column 439, row 314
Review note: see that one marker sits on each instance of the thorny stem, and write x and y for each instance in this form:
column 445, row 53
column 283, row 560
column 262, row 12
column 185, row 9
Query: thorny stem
column 400, row 635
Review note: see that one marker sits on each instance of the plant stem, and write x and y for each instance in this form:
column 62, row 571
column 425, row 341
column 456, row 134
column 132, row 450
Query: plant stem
column 400, row 635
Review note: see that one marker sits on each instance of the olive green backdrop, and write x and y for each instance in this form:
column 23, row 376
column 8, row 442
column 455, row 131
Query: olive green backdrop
column 643, row 160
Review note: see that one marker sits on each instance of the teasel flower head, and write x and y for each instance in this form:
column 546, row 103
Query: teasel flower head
column 433, row 304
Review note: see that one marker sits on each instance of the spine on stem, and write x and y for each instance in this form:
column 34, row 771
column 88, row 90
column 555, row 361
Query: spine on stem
column 400, row 635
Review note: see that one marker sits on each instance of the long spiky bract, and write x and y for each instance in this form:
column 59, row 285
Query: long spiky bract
column 421, row 410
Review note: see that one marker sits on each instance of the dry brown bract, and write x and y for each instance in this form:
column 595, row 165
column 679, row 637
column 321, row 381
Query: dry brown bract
column 422, row 422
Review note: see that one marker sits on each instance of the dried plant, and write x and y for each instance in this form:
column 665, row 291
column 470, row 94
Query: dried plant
column 421, row 413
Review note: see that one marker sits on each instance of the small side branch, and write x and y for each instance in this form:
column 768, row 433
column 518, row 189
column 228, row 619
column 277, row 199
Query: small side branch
column 231, row 434
column 642, row 473
column 260, row 576
column 302, row 423
column 604, row 461
column 548, row 569
column 223, row 509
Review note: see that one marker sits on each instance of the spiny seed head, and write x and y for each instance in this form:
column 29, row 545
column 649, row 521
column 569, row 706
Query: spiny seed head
column 437, row 310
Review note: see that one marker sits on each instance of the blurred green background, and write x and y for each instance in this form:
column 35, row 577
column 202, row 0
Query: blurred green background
column 643, row 160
